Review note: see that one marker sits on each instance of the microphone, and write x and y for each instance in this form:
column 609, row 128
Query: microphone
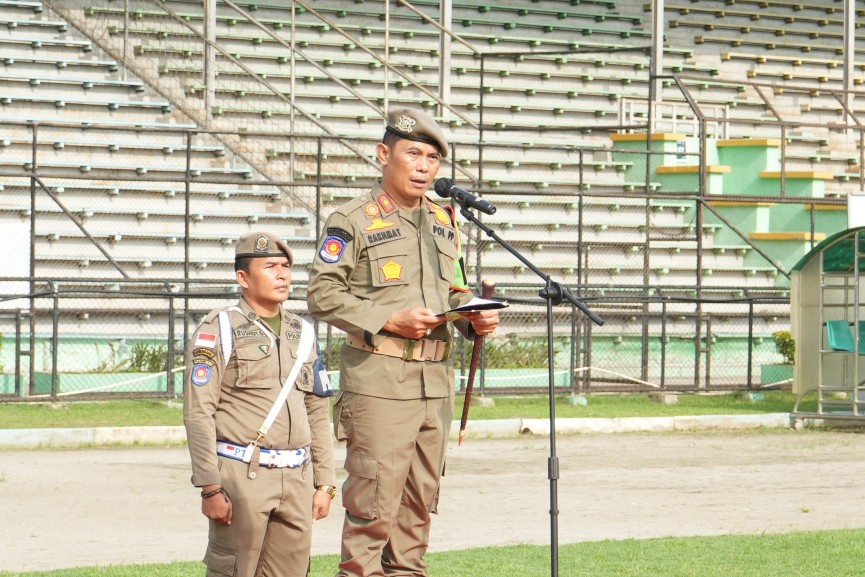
column 446, row 188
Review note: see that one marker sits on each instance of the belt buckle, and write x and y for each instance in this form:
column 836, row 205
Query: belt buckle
column 408, row 349
column 430, row 347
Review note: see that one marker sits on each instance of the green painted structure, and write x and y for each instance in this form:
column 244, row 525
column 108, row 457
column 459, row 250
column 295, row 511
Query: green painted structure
column 736, row 168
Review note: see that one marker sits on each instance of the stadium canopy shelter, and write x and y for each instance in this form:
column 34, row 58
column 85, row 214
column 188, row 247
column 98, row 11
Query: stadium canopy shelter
column 827, row 297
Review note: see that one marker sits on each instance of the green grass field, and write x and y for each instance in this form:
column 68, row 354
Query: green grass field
column 151, row 412
column 808, row 554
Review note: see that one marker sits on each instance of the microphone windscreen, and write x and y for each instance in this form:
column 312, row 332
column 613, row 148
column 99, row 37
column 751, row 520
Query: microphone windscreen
column 443, row 187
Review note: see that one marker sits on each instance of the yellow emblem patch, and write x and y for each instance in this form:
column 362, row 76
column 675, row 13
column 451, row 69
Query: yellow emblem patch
column 442, row 217
column 391, row 270
column 371, row 209
column 378, row 224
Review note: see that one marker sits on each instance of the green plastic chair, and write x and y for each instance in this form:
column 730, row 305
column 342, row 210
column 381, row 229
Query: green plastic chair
column 841, row 337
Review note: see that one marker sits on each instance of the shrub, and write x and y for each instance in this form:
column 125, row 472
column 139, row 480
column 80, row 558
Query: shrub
column 785, row 345
column 517, row 353
column 147, row 359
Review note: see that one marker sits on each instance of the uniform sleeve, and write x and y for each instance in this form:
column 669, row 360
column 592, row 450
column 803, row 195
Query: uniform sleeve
column 317, row 408
column 329, row 297
column 203, row 378
column 459, row 298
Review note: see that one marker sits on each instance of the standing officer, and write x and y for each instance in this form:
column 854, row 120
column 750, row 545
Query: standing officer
column 385, row 268
column 256, row 416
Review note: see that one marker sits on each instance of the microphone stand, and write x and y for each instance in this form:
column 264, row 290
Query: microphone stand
column 553, row 293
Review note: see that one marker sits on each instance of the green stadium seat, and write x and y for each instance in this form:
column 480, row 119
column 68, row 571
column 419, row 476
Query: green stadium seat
column 841, row 339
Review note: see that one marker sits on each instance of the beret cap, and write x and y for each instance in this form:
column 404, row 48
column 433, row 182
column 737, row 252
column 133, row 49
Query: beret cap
column 416, row 125
column 262, row 244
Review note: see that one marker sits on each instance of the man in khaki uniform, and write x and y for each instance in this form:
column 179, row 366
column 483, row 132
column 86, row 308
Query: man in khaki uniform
column 385, row 268
column 264, row 463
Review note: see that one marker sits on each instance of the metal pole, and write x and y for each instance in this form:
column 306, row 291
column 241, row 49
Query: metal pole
column 126, row 39
column 446, row 20
column 31, row 380
column 169, row 375
column 386, row 58
column 18, row 353
column 849, row 51
column 293, row 87
column 657, row 66
column 750, row 343
column 187, row 193
column 553, row 461
column 55, row 337
column 209, row 59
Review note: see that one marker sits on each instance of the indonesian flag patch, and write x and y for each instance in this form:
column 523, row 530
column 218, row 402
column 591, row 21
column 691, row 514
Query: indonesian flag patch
column 205, row 340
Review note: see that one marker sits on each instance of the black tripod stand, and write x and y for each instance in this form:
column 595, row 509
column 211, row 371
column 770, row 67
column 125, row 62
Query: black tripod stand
column 554, row 293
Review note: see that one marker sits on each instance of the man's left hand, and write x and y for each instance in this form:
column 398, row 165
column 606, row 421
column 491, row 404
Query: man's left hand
column 483, row 322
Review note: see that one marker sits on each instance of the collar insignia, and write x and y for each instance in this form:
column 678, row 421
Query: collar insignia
column 386, row 204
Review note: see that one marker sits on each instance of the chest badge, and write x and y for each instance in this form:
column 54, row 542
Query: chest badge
column 442, row 216
column 392, row 270
column 264, row 348
column 378, row 224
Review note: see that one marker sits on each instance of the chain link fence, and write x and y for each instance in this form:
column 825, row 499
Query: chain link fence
column 102, row 339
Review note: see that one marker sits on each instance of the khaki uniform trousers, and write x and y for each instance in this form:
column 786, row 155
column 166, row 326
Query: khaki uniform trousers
column 395, row 459
column 271, row 531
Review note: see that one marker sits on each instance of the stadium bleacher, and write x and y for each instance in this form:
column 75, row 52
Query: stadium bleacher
column 113, row 135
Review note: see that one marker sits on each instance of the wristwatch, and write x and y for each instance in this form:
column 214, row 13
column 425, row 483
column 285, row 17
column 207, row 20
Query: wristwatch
column 329, row 489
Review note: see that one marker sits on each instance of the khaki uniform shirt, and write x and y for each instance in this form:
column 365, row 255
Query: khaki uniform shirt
column 229, row 402
column 375, row 259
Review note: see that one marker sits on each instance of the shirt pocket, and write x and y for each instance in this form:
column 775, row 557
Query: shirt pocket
column 389, row 265
column 255, row 367
column 448, row 256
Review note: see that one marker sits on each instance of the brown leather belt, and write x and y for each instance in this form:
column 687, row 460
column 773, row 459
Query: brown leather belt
column 405, row 349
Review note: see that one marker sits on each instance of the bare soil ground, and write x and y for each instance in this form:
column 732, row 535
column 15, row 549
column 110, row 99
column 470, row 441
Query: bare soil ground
column 118, row 506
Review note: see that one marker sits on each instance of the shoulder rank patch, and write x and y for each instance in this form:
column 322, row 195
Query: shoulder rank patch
column 386, row 203
column 200, row 374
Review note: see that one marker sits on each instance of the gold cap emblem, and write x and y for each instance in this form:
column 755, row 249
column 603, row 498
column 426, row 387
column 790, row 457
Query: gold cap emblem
column 261, row 244
column 405, row 123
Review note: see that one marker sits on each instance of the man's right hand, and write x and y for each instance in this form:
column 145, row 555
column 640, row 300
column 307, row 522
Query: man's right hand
column 217, row 507
column 413, row 323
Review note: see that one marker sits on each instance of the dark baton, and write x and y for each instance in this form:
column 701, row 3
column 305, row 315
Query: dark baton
column 487, row 289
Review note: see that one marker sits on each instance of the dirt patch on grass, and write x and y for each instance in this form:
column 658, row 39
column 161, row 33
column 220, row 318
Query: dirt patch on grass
column 118, row 506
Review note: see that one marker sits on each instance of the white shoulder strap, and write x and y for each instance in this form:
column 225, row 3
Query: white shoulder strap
column 226, row 333
column 226, row 336
column 304, row 348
